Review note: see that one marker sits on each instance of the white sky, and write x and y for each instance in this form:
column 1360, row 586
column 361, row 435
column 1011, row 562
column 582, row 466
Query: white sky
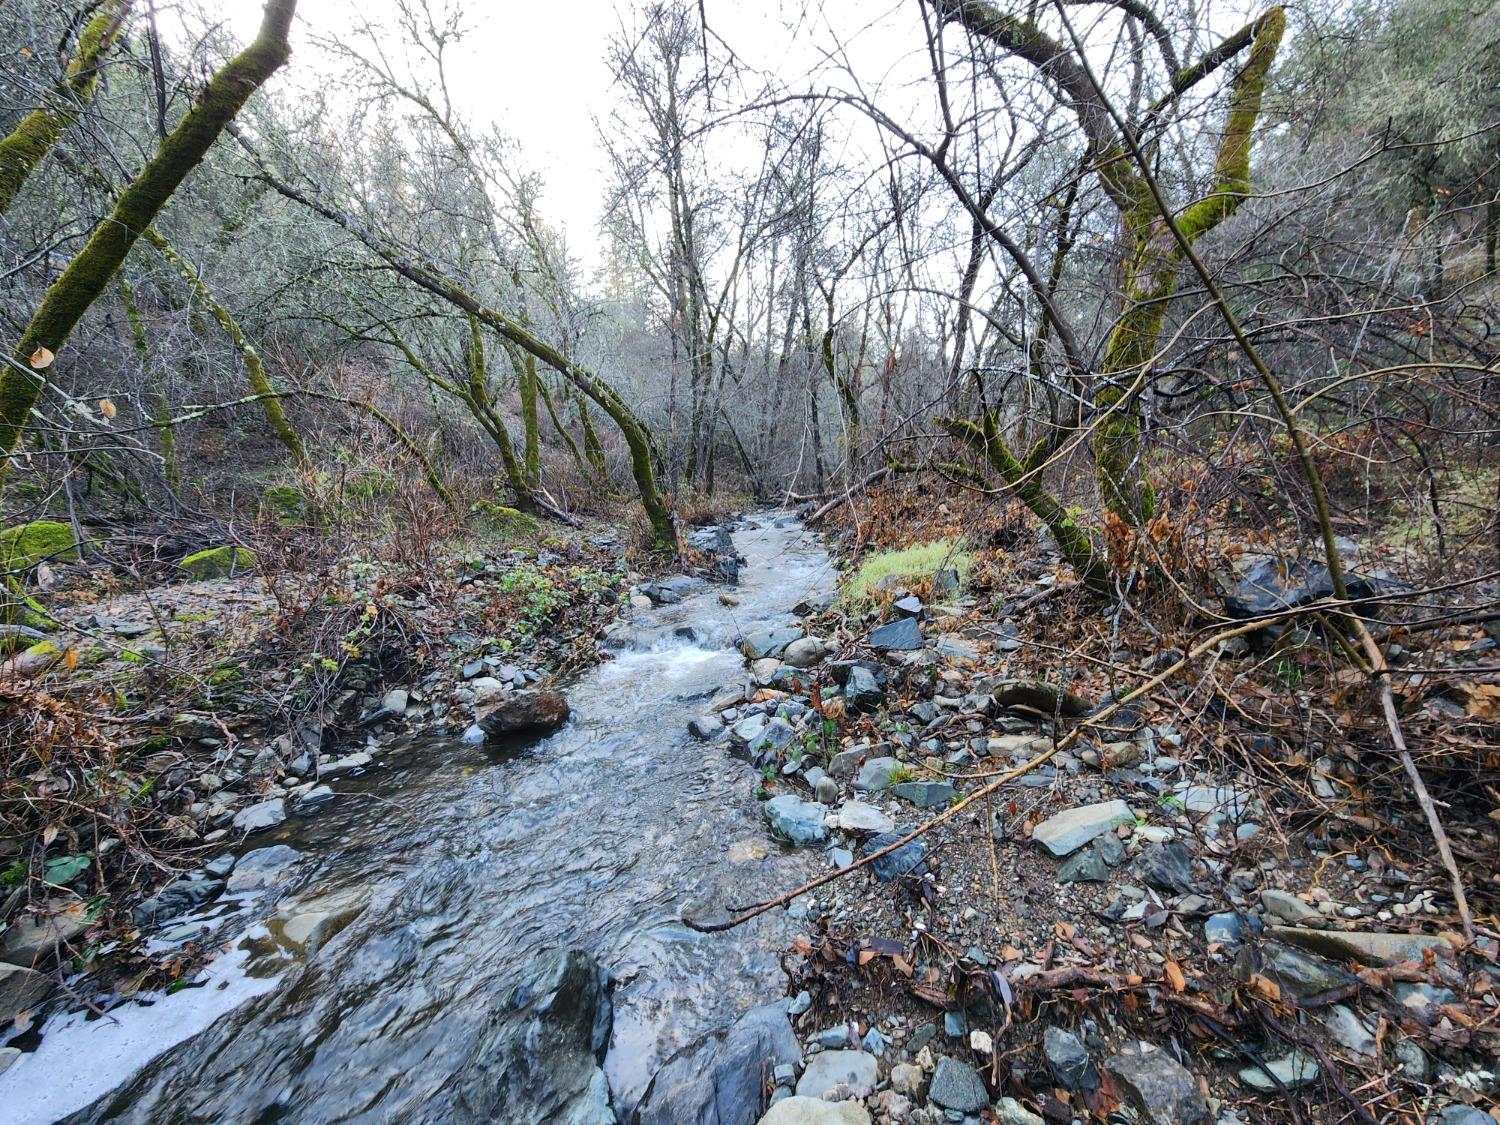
column 545, row 82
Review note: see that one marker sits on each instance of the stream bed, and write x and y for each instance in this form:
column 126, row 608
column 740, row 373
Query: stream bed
column 458, row 865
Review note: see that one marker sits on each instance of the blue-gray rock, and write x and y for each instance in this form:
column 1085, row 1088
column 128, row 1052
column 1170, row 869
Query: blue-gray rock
column 1165, row 1092
column 21, row 989
column 1069, row 1060
column 873, row 1042
column 1299, row 974
column 776, row 736
column 758, row 646
column 875, row 775
column 718, row 1079
column 174, row 900
column 261, row 868
column 1226, row 928
column 1463, row 1115
column 540, row 1056
column 220, row 866
column 855, row 1069
column 706, row 725
column 1066, row 832
column 1167, row 867
column 1290, row 1071
column 925, row 794
column 258, row 818
column 905, row 860
column 313, row 800
column 897, row 636
column 840, row 857
column 1087, row 866
column 909, row 606
column 956, row 1085
column 861, row 691
column 796, row 821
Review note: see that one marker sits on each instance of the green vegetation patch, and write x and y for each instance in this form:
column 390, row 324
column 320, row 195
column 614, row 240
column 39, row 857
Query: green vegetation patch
column 508, row 524
column 907, row 566
column 27, row 544
column 218, row 562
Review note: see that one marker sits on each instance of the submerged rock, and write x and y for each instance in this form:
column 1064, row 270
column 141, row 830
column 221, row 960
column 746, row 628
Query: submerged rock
column 258, row 818
column 540, row 1057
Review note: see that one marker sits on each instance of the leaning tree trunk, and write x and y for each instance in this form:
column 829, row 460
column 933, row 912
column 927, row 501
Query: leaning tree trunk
column 426, row 276
column 255, row 370
column 87, row 275
column 156, row 383
column 43, row 127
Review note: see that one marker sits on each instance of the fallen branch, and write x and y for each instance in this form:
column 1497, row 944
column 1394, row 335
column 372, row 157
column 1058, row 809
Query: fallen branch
column 848, row 494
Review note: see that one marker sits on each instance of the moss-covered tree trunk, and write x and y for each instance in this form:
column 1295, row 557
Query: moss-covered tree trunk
column 43, row 127
column 156, row 387
column 1152, row 262
column 477, row 397
column 91, row 271
column 637, row 436
column 255, row 369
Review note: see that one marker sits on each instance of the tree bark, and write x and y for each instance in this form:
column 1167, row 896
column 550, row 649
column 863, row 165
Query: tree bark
column 87, row 275
column 43, row 127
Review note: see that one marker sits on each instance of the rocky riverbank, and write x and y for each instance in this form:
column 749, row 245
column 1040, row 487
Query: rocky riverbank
column 1059, row 906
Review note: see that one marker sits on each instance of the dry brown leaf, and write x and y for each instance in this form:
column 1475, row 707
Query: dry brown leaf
column 42, row 358
column 1175, row 977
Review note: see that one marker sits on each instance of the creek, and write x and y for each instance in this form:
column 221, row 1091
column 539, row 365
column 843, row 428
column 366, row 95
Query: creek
column 449, row 871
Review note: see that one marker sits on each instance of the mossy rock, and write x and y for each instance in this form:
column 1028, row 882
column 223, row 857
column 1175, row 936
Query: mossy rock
column 283, row 502
column 508, row 524
column 44, row 648
column 372, row 485
column 26, row 544
column 218, row 562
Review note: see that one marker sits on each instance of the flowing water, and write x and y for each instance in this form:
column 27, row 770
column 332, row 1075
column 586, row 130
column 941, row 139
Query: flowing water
column 469, row 862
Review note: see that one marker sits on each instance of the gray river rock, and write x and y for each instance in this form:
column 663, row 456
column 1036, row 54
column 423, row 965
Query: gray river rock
column 474, row 862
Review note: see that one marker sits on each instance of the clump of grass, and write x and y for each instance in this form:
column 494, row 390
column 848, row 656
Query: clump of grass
column 910, row 566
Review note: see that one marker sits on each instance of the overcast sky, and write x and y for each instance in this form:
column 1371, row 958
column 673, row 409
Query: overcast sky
column 545, row 82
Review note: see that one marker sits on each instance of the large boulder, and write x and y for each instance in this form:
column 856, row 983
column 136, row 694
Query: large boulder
column 718, row 1078
column 26, row 544
column 218, row 562
column 515, row 712
column 541, row 1054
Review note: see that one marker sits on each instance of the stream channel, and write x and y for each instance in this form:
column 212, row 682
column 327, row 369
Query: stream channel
column 459, row 865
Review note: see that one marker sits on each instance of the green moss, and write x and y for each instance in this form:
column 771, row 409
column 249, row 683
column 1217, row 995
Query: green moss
column 192, row 618
column 44, row 648
column 910, row 564
column 283, row 502
column 25, row 545
column 371, row 485
column 508, row 524
column 217, row 562
column 130, row 656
